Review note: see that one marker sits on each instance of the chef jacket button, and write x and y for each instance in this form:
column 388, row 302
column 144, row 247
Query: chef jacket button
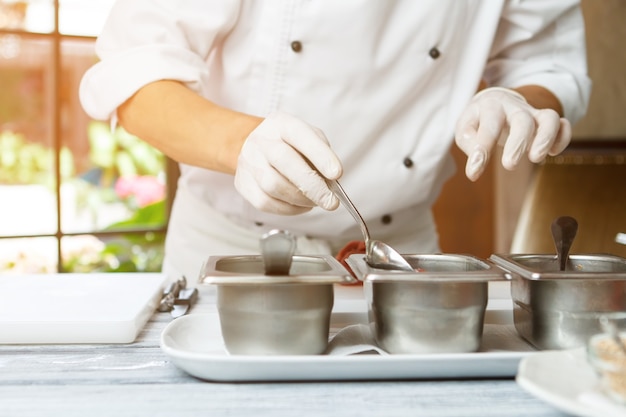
column 296, row 46
column 259, row 224
column 434, row 52
column 386, row 219
column 408, row 162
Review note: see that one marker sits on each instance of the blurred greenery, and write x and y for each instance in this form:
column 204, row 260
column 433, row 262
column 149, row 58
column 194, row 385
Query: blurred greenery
column 131, row 252
column 23, row 162
column 113, row 154
column 117, row 153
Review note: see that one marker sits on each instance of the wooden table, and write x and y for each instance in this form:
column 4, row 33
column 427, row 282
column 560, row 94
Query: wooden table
column 138, row 380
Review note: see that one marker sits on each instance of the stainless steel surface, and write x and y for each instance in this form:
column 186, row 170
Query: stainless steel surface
column 170, row 293
column 274, row 315
column 432, row 268
column 440, row 309
column 378, row 254
column 556, row 309
column 564, row 230
column 277, row 248
column 250, row 269
column 187, row 297
column 545, row 267
column 167, row 302
column 275, row 319
column 179, row 310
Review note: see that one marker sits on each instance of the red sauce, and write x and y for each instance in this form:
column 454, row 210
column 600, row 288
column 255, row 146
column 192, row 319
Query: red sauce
column 352, row 247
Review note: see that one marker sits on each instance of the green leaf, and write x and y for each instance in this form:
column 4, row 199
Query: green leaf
column 152, row 215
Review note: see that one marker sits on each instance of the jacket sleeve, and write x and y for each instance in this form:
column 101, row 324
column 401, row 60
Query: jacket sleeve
column 542, row 43
column 148, row 40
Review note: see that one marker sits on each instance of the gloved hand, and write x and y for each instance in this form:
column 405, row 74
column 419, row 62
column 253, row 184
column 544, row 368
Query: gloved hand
column 499, row 115
column 281, row 164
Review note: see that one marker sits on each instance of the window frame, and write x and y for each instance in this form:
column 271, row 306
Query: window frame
column 56, row 39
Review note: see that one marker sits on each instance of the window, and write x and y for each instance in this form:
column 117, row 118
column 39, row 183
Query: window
column 74, row 195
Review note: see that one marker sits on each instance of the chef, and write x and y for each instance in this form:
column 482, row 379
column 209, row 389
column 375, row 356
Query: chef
column 260, row 100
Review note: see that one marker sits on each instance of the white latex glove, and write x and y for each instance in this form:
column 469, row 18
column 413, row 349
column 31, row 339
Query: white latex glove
column 276, row 171
column 499, row 115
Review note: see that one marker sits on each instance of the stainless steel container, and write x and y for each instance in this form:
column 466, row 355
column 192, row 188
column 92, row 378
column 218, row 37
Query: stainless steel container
column 439, row 309
column 561, row 309
column 278, row 314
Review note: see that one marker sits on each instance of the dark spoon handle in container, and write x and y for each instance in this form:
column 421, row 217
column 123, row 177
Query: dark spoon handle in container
column 563, row 232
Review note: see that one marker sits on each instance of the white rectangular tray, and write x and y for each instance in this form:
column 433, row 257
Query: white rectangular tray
column 77, row 308
column 194, row 344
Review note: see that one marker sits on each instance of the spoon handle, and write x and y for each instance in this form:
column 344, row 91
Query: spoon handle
column 563, row 232
column 336, row 188
column 277, row 249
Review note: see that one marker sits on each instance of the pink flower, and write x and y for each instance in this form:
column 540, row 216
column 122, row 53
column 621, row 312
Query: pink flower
column 145, row 189
column 124, row 186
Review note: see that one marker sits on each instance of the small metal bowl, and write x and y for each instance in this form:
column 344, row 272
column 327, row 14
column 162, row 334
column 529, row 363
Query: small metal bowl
column 556, row 309
column 278, row 314
column 439, row 309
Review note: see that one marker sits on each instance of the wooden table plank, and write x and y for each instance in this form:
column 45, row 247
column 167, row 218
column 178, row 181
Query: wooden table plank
column 189, row 398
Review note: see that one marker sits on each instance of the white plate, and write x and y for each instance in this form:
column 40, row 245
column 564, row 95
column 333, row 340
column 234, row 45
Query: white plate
column 194, row 344
column 565, row 380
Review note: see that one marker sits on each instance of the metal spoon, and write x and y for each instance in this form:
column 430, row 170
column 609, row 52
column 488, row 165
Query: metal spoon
column 377, row 254
column 277, row 249
column 563, row 232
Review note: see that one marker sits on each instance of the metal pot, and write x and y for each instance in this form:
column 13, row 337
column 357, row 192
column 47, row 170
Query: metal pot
column 438, row 308
column 556, row 309
column 274, row 314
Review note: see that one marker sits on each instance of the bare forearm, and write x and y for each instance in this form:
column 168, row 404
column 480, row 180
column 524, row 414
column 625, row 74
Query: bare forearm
column 187, row 127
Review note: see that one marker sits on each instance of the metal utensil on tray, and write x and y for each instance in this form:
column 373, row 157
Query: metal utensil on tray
column 377, row 254
column 177, row 298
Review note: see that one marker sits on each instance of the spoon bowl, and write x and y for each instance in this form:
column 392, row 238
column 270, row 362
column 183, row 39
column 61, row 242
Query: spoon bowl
column 382, row 256
column 377, row 254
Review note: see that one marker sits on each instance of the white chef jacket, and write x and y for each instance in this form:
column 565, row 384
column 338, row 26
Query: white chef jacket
column 385, row 80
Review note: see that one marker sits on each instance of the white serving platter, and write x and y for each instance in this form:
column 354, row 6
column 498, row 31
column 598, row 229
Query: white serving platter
column 565, row 380
column 194, row 344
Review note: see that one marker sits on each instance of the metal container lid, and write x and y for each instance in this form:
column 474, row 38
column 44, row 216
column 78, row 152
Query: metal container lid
column 250, row 270
column 431, row 268
column 579, row 267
